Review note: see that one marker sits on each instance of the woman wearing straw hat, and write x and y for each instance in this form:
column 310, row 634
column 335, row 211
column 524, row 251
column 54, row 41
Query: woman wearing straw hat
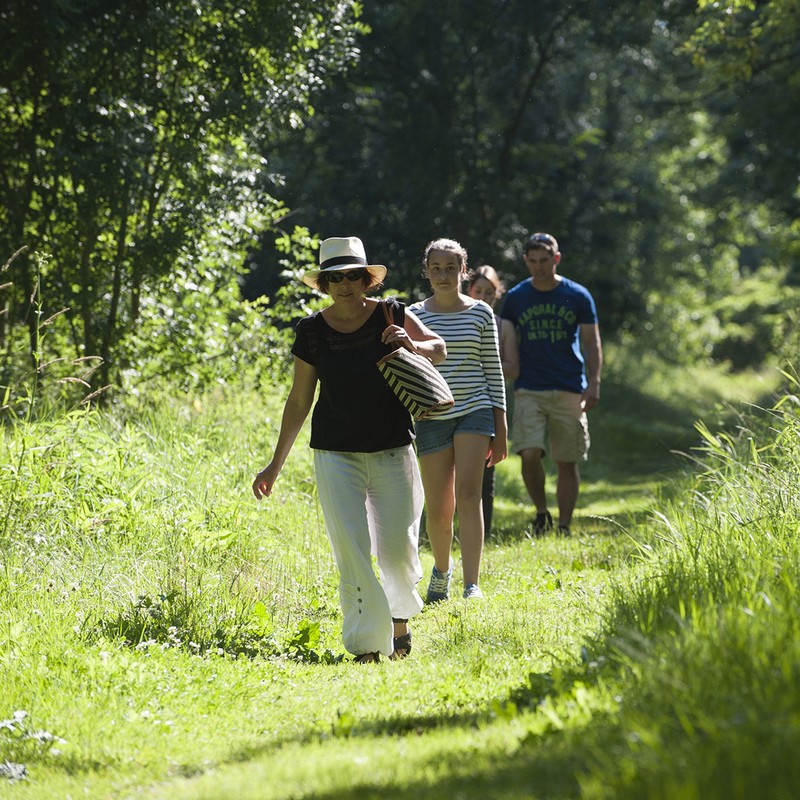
column 366, row 470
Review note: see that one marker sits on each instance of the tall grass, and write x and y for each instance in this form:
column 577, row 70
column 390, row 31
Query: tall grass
column 143, row 516
column 708, row 635
column 161, row 633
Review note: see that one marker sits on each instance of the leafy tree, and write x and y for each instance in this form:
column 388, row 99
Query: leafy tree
column 126, row 134
column 483, row 121
column 602, row 124
column 735, row 175
column 748, row 53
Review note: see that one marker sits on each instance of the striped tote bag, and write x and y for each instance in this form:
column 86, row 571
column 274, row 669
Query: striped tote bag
column 414, row 380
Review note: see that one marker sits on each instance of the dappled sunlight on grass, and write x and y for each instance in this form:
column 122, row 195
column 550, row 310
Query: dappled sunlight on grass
column 601, row 504
column 523, row 688
column 640, row 438
column 617, row 500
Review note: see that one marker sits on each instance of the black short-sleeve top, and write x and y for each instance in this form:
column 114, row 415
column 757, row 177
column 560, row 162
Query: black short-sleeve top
column 356, row 411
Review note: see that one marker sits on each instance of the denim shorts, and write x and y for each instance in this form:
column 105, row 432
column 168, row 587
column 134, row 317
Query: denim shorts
column 437, row 434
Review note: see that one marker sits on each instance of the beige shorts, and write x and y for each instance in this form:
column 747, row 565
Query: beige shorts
column 553, row 421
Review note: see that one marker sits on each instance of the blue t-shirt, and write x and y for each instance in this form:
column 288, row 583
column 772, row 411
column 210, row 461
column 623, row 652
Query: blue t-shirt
column 548, row 325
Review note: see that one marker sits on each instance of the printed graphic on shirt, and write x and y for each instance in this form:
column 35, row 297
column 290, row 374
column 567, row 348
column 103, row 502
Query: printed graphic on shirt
column 548, row 321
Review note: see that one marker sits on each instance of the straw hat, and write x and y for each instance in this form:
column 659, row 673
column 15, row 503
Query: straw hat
column 342, row 253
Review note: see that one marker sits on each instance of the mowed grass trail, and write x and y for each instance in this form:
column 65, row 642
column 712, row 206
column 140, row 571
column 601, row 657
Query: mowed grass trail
column 163, row 635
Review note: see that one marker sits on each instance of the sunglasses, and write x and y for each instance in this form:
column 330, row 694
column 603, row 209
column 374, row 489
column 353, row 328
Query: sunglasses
column 541, row 237
column 352, row 275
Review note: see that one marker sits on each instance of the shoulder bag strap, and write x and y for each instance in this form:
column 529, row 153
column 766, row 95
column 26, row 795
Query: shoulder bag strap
column 387, row 312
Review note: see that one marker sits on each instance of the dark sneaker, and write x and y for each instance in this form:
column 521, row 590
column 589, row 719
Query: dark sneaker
column 439, row 586
column 542, row 523
column 563, row 530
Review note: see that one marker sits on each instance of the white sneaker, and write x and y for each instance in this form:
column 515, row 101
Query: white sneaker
column 472, row 591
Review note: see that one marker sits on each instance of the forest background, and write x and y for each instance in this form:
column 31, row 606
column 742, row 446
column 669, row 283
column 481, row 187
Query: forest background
column 163, row 162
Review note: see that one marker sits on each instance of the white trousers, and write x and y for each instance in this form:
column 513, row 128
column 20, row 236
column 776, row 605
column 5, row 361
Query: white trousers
column 372, row 504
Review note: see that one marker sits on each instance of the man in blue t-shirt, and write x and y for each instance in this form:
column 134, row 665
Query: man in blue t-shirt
column 560, row 359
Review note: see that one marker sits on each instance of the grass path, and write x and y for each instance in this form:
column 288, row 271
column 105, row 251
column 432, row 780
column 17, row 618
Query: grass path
column 446, row 719
column 506, row 697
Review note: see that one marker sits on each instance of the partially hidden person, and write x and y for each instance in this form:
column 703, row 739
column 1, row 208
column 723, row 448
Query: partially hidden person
column 454, row 447
column 485, row 284
column 560, row 361
column 366, row 469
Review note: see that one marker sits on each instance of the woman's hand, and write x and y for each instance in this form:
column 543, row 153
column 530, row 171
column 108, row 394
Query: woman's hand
column 498, row 450
column 262, row 485
column 426, row 342
column 498, row 444
column 395, row 336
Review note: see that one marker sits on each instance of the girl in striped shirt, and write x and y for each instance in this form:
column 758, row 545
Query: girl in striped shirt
column 455, row 446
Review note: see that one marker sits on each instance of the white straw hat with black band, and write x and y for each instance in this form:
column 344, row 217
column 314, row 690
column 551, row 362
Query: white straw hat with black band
column 342, row 253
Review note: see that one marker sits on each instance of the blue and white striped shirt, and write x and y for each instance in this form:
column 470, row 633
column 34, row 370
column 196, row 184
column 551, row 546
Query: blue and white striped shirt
column 472, row 368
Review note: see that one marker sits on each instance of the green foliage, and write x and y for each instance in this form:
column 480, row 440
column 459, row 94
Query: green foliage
column 196, row 330
column 155, row 154
column 176, row 619
column 727, row 296
column 741, row 39
column 36, row 377
column 746, row 54
column 654, row 654
column 666, row 181
column 758, row 320
column 746, row 322
column 707, row 636
column 128, row 144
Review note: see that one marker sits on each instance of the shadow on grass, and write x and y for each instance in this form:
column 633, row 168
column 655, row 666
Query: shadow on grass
column 551, row 760
column 637, row 457
column 550, row 768
column 634, row 461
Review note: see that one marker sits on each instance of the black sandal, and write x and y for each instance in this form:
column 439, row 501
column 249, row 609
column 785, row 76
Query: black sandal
column 402, row 646
column 402, row 643
column 368, row 658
